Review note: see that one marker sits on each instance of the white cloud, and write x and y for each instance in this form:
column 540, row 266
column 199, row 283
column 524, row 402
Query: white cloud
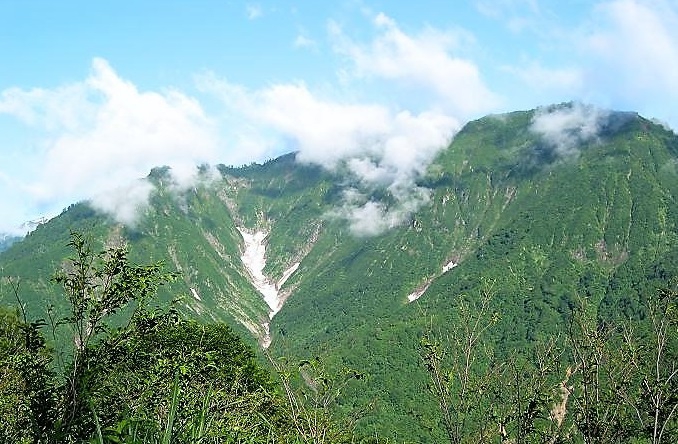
column 425, row 61
column 382, row 148
column 367, row 217
column 304, row 42
column 67, row 107
column 620, row 54
column 566, row 127
column 104, row 133
column 327, row 132
column 517, row 15
column 126, row 203
column 324, row 131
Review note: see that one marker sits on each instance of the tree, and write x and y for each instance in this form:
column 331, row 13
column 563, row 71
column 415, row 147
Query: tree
column 202, row 376
column 470, row 383
column 609, row 382
column 660, row 380
column 626, row 374
column 97, row 286
column 311, row 393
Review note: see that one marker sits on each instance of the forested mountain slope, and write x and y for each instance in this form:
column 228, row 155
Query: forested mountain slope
column 539, row 208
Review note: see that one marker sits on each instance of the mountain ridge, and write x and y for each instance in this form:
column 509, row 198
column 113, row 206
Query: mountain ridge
column 541, row 206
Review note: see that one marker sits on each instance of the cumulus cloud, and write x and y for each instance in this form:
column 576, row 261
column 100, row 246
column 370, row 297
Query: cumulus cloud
column 369, row 217
column 383, row 148
column 68, row 107
column 565, row 127
column 425, row 61
column 102, row 133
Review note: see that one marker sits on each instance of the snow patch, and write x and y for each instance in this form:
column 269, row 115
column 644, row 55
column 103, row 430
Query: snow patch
column 195, row 294
column 450, row 265
column 254, row 259
column 418, row 292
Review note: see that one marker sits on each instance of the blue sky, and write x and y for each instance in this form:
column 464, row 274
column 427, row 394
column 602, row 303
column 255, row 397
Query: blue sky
column 94, row 94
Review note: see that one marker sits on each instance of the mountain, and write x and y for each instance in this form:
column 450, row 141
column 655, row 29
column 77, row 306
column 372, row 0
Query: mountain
column 539, row 208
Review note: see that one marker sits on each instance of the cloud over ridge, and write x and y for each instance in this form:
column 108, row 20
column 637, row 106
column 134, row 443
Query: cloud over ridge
column 565, row 127
column 392, row 95
column 101, row 135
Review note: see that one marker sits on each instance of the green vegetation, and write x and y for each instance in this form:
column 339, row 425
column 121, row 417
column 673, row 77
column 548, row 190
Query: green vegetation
column 162, row 379
column 26, row 396
column 599, row 383
column 154, row 377
column 548, row 230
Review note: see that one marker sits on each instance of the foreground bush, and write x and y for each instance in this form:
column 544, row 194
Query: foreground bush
column 203, row 377
column 26, row 382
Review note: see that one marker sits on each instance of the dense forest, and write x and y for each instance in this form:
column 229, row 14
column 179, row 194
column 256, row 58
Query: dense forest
column 136, row 372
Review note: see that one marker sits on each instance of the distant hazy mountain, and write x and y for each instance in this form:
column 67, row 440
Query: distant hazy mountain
column 543, row 206
column 6, row 240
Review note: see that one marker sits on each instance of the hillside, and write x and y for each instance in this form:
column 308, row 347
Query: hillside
column 546, row 206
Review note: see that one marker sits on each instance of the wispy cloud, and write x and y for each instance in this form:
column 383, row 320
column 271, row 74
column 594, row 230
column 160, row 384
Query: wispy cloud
column 369, row 217
column 616, row 53
column 304, row 42
column 516, row 15
column 566, row 127
column 253, row 11
column 99, row 136
column 634, row 47
column 126, row 203
column 381, row 147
